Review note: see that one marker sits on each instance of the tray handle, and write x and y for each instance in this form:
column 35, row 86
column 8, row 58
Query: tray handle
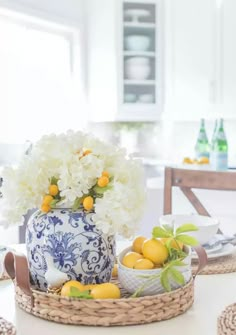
column 202, row 259
column 16, row 266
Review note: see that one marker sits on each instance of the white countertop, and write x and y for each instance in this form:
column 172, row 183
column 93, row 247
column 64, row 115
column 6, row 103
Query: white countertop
column 212, row 294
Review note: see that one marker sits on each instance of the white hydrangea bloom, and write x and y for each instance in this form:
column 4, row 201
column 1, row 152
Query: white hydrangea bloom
column 120, row 208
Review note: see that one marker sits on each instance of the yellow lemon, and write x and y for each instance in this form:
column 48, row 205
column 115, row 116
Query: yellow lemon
column 53, row 190
column 45, row 208
column 130, row 259
column 203, row 160
column 103, row 181
column 143, row 264
column 187, row 160
column 47, row 199
column 105, row 291
column 174, row 244
column 89, row 286
column 115, row 271
column 65, row 290
column 138, row 243
column 155, row 251
column 88, row 203
column 105, row 174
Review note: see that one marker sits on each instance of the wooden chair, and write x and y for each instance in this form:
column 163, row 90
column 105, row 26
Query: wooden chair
column 186, row 180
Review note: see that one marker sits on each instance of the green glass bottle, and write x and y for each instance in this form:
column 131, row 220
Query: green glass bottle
column 202, row 144
column 214, row 135
column 219, row 152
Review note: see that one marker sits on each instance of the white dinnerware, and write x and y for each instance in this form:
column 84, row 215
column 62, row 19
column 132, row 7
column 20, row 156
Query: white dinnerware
column 226, row 250
column 146, row 98
column 136, row 13
column 137, row 43
column 137, row 68
column 130, row 97
column 207, row 226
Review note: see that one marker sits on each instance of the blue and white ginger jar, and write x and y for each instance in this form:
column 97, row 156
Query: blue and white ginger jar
column 71, row 240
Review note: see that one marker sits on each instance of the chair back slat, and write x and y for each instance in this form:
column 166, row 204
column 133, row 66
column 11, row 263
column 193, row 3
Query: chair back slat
column 210, row 180
column 187, row 180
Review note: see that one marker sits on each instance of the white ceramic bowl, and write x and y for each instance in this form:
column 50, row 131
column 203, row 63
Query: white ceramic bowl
column 130, row 97
column 137, row 71
column 130, row 278
column 146, row 98
column 137, row 43
column 207, row 226
column 138, row 61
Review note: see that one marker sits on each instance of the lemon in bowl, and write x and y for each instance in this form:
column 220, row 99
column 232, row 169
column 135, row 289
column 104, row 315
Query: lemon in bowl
column 138, row 276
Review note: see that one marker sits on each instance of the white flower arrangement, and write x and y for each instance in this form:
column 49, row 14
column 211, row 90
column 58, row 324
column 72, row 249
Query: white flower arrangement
column 73, row 170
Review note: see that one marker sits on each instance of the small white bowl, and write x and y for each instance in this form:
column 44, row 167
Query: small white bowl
column 130, row 97
column 207, row 226
column 131, row 279
column 138, row 61
column 137, row 72
column 146, row 98
column 137, row 43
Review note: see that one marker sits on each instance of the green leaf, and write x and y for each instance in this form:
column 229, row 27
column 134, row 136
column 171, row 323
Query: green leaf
column 177, row 276
column 186, row 239
column 177, row 262
column 160, row 232
column 76, row 204
column 164, row 278
column 54, row 202
column 185, row 228
column 101, row 190
column 75, row 292
column 54, row 181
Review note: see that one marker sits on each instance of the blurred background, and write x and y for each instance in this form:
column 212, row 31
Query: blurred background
column 140, row 74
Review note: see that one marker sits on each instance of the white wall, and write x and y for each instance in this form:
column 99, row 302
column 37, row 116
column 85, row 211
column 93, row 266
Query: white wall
column 64, row 10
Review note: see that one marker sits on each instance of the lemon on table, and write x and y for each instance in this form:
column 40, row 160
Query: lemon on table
column 66, row 288
column 144, row 264
column 203, row 160
column 138, row 243
column 130, row 258
column 105, row 291
column 155, row 251
column 187, row 160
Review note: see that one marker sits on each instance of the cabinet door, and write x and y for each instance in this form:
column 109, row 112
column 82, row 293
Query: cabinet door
column 121, row 34
column 189, row 51
column 140, row 71
column 227, row 57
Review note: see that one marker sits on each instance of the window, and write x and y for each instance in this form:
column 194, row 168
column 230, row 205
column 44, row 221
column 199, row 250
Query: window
column 40, row 78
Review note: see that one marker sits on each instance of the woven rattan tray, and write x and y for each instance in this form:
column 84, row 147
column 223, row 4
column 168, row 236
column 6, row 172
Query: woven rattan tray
column 108, row 312
column 95, row 312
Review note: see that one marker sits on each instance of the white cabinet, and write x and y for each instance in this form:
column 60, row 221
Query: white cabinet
column 200, row 53
column 124, row 60
column 226, row 57
column 189, row 51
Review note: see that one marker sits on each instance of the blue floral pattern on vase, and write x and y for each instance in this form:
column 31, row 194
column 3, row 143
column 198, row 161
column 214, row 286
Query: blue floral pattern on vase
column 73, row 242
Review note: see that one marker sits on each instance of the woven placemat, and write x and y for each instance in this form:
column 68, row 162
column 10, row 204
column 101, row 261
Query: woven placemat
column 6, row 327
column 4, row 276
column 226, row 322
column 225, row 264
